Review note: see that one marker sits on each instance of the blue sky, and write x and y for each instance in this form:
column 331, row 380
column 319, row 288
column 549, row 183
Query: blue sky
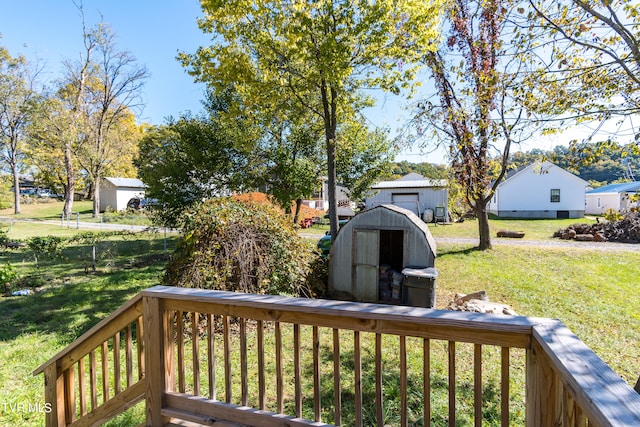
column 154, row 32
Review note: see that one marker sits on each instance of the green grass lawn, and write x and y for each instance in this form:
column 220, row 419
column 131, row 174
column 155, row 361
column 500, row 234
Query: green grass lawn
column 596, row 294
column 35, row 327
column 50, row 209
column 534, row 229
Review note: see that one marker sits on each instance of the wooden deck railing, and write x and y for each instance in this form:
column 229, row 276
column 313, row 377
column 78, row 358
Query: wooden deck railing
column 220, row 358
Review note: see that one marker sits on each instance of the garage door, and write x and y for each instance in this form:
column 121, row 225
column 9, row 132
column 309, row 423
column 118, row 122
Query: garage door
column 406, row 200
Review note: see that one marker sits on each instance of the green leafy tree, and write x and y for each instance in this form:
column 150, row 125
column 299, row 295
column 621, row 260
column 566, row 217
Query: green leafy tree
column 364, row 157
column 51, row 151
column 320, row 53
column 186, row 161
column 291, row 167
column 427, row 170
column 112, row 89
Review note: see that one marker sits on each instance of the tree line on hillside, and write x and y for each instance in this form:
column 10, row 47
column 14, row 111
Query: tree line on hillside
column 598, row 163
column 288, row 86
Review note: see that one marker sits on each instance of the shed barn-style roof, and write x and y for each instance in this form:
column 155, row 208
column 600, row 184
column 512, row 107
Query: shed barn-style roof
column 415, row 220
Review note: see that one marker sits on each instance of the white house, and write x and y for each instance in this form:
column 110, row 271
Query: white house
column 414, row 192
column 116, row 192
column 613, row 196
column 540, row 190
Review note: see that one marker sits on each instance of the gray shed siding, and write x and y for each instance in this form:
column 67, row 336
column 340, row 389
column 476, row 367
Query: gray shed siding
column 349, row 259
column 427, row 198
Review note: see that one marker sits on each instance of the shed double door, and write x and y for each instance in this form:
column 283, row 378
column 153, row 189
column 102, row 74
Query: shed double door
column 366, row 248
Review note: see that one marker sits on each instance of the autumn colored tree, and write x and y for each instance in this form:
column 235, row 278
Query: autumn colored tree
column 19, row 100
column 321, row 53
column 112, row 90
column 477, row 116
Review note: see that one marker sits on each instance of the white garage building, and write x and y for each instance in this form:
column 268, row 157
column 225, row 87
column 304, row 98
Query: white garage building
column 116, row 192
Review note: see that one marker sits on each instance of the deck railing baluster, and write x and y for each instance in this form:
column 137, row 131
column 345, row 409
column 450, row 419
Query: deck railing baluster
column 426, row 388
column 357, row 363
column 378, row 374
column 559, row 390
column 505, row 378
column 317, row 407
column 337, row 389
column 262, row 397
column 477, row 385
column 452, row 383
column 180, row 339
column 244, row 376
column 227, row 359
column 211, row 356
column 195, row 352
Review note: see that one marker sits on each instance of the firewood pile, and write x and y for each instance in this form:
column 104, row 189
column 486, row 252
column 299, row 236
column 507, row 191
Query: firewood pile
column 478, row 302
column 626, row 230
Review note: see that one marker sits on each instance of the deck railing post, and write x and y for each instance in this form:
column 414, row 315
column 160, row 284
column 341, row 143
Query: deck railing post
column 156, row 341
column 54, row 396
column 542, row 390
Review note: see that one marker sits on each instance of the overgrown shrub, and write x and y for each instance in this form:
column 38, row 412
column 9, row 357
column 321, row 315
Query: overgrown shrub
column 239, row 246
column 318, row 276
column 8, row 275
column 50, row 246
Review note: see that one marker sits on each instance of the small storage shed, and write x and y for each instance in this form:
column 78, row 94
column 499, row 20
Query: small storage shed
column 116, row 192
column 386, row 235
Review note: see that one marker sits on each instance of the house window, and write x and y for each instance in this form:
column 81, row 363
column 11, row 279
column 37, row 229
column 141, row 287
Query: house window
column 598, row 199
column 555, row 195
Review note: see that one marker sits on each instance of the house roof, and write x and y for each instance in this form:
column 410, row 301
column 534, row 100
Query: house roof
column 126, row 182
column 627, row 187
column 543, row 168
column 411, row 180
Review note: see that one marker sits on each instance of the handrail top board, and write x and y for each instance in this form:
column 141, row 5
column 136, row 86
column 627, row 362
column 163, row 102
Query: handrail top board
column 370, row 311
column 596, row 387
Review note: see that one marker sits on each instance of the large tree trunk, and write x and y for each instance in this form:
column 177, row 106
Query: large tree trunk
column 483, row 225
column 329, row 116
column 296, row 215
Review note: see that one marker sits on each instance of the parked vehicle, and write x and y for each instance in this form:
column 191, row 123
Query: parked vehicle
column 140, row 203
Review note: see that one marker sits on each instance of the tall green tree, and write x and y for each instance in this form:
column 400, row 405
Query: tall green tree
column 187, row 161
column 321, row 53
column 19, row 100
column 364, row 157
